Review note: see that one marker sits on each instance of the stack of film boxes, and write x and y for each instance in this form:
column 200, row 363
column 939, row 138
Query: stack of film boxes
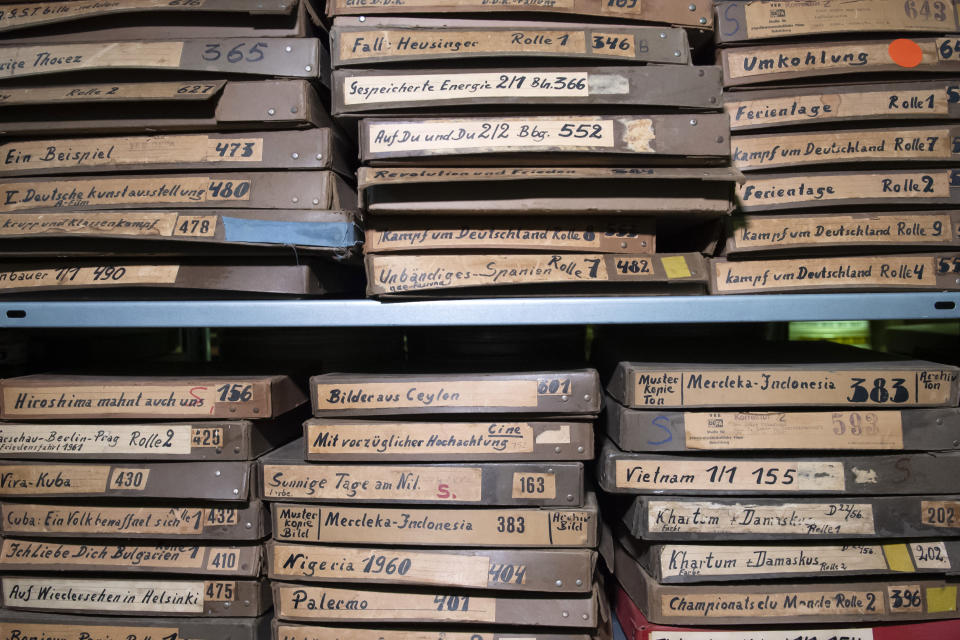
column 180, row 146
column 852, row 177
column 506, row 156
column 812, row 486
column 129, row 505
column 498, row 540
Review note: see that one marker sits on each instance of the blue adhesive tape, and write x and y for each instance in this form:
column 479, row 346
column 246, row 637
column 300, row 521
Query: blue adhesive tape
column 313, row 234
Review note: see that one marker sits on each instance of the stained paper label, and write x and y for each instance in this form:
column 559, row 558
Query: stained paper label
column 815, row 188
column 824, row 16
column 534, row 486
column 19, row 61
column 34, row 480
column 74, row 520
column 52, row 554
column 879, row 271
column 788, row 518
column 929, row 555
column 386, row 43
column 832, row 106
column 84, row 439
column 106, row 275
column 299, row 562
column 110, row 92
column 436, row 135
column 419, row 438
column 762, row 232
column 347, row 604
column 733, row 560
column 794, row 430
column 386, row 395
column 98, row 594
column 318, row 482
column 448, row 527
column 771, row 605
column 940, row 513
column 24, row 15
column 766, row 634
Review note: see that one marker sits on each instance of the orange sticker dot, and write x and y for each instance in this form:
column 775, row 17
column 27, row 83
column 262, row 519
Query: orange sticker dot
column 905, row 52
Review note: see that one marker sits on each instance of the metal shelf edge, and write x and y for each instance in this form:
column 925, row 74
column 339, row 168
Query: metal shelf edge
column 495, row 311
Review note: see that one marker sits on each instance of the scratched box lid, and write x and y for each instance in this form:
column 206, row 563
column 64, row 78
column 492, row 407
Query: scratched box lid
column 418, row 91
column 77, row 627
column 263, row 150
column 365, row 41
column 162, row 234
column 131, row 59
column 197, row 597
column 864, row 474
column 696, row 15
column 52, row 397
column 50, row 21
column 637, row 627
column 817, row 602
column 538, row 139
column 749, row 20
column 504, row 190
column 704, row 431
column 160, row 106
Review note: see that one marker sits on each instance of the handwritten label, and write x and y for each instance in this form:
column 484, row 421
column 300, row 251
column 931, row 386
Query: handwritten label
column 73, row 520
column 502, row 133
column 771, row 605
column 413, row 43
column 134, row 479
column 930, row 555
column 795, row 430
column 448, row 527
column 810, row 519
column 848, row 57
column 533, row 486
column 424, row 394
column 298, row 562
column 827, row 17
column 905, row 598
column 24, row 15
column 16, row 61
column 455, row 86
column 135, row 223
column 417, row 438
column 99, row 192
column 733, row 560
column 84, row 439
column 813, row 189
column 524, row 5
column 124, row 91
column 119, row 399
column 940, row 513
column 322, row 482
column 322, row 603
column 83, row 631
column 893, row 103
column 106, row 275
column 99, row 594
column 95, row 152
column 730, row 475
column 57, row 479
column 763, row 151
column 791, row 386
column 874, row 271
column 761, row 232
column 100, row 556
